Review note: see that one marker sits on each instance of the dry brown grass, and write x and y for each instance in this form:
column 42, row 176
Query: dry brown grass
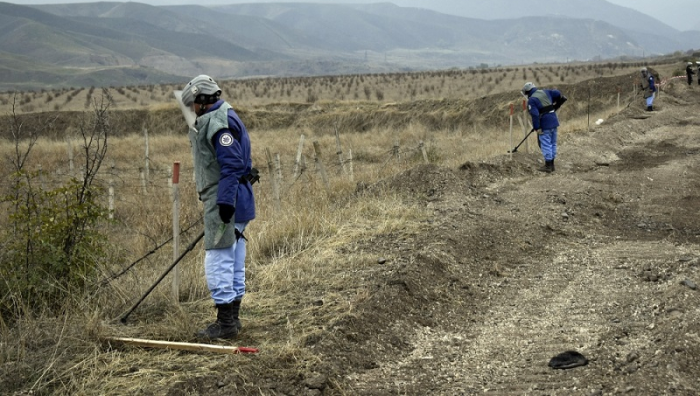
column 303, row 253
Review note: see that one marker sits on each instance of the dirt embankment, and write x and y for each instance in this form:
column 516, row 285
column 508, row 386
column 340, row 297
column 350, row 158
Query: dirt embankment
column 515, row 267
column 601, row 257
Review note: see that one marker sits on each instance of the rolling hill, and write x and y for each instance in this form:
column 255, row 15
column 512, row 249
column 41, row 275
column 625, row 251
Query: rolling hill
column 133, row 43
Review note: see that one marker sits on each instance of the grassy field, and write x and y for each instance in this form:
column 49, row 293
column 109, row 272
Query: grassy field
column 300, row 245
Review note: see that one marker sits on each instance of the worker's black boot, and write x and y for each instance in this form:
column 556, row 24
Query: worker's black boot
column 227, row 324
column 548, row 167
column 650, row 108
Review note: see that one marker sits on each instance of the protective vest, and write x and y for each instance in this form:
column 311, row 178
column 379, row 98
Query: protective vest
column 207, row 174
column 547, row 104
column 648, row 86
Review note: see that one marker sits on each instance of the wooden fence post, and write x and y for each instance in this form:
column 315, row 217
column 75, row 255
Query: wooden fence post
column 278, row 169
column 339, row 151
column 142, row 177
column 297, row 161
column 148, row 167
column 525, row 131
column 303, row 169
column 350, row 166
column 395, row 150
column 511, row 132
column 71, row 165
column 421, row 145
column 273, row 180
column 319, row 165
column 176, row 229
column 111, row 192
column 41, row 178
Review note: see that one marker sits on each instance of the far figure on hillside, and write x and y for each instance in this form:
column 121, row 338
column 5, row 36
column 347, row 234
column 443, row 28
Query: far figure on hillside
column 648, row 88
column 698, row 63
column 689, row 72
column 543, row 104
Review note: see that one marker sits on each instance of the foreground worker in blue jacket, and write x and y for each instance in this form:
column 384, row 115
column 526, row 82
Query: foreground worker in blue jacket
column 223, row 176
column 543, row 104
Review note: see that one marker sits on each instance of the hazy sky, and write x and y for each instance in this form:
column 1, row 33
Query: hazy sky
column 680, row 14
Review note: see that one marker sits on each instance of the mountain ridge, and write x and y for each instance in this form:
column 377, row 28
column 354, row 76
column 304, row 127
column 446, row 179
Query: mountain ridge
column 284, row 39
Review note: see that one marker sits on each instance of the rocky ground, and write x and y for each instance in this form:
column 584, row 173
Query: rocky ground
column 515, row 266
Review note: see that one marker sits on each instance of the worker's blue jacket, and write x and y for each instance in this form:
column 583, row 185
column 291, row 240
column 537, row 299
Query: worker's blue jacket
column 541, row 103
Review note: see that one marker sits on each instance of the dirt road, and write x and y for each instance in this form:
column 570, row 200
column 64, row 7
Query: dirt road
column 601, row 257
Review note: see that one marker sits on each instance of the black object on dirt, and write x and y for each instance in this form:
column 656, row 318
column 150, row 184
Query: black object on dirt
column 567, row 360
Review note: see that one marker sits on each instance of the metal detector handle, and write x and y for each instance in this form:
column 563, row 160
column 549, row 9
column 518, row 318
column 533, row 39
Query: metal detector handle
column 150, row 289
column 522, row 141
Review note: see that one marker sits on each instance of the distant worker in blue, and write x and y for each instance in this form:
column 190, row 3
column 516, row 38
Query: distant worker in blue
column 223, row 177
column 689, row 72
column 648, row 88
column 543, row 104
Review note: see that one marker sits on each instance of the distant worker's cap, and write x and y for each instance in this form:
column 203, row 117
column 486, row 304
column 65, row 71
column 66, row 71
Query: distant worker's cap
column 528, row 87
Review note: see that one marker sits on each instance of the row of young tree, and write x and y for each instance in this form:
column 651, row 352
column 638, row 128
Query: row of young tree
column 380, row 87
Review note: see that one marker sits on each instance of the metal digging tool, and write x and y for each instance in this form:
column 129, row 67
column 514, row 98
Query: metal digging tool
column 522, row 141
column 189, row 247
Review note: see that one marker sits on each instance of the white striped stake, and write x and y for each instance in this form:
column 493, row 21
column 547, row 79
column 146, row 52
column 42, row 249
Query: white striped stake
column 525, row 132
column 176, row 229
column 511, row 132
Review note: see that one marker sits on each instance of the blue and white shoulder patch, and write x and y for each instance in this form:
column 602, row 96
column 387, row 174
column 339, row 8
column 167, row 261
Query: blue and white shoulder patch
column 226, row 139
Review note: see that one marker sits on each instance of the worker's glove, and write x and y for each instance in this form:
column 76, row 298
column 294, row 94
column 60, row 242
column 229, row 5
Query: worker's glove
column 540, row 132
column 226, row 212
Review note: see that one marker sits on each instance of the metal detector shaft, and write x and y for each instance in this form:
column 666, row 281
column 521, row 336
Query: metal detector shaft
column 522, row 141
column 189, row 247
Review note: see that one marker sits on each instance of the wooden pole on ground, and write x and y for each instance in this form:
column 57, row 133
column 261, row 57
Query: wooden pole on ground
column 185, row 346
